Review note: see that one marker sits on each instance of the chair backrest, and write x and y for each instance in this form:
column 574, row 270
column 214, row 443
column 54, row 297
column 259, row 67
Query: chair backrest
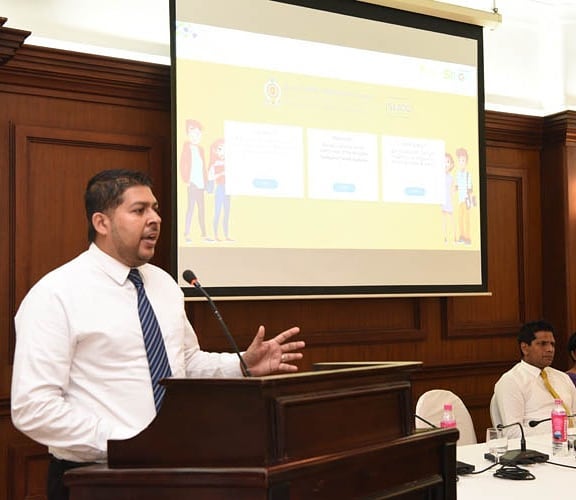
column 495, row 412
column 430, row 407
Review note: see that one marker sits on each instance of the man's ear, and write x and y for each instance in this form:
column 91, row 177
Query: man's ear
column 523, row 346
column 101, row 223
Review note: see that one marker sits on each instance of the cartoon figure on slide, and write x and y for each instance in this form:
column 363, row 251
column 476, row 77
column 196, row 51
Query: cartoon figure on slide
column 465, row 196
column 194, row 174
column 217, row 174
column 448, row 220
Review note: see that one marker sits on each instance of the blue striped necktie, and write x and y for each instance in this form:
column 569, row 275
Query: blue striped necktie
column 155, row 349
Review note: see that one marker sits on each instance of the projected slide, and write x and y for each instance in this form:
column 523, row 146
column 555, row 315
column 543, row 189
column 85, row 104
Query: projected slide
column 308, row 152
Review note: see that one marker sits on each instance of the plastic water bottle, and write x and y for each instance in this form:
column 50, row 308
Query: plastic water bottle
column 448, row 420
column 559, row 429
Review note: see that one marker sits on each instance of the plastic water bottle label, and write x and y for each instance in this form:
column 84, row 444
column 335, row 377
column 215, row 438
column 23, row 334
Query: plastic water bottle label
column 447, row 424
column 559, row 431
column 559, row 428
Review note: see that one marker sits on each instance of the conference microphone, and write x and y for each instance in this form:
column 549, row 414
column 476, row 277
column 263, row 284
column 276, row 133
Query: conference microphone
column 426, row 421
column 534, row 423
column 521, row 456
column 190, row 277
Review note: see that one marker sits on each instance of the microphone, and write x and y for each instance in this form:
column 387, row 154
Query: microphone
column 462, row 468
column 190, row 277
column 534, row 423
column 521, row 456
column 426, row 421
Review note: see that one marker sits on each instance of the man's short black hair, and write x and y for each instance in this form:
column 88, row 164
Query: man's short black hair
column 104, row 191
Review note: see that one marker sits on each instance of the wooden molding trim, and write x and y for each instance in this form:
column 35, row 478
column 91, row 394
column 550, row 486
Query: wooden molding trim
column 513, row 130
column 10, row 41
column 560, row 128
column 365, row 336
column 48, row 72
column 456, row 370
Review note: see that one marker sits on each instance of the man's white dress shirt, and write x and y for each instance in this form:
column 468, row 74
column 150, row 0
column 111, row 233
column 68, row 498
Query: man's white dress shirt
column 522, row 396
column 80, row 373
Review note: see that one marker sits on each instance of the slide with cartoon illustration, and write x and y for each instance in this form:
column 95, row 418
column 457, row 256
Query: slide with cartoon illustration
column 348, row 155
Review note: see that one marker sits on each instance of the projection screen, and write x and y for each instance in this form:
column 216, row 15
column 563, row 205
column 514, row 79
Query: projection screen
column 326, row 148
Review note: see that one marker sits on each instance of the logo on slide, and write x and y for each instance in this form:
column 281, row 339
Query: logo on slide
column 272, row 92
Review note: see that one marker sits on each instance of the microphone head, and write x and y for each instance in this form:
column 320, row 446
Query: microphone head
column 189, row 277
column 533, row 423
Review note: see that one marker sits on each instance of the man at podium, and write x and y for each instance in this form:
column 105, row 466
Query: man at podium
column 95, row 336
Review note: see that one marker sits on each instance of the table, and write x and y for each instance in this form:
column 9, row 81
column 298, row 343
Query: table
column 550, row 479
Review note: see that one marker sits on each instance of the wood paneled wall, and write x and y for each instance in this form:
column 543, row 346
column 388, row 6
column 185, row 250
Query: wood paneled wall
column 64, row 116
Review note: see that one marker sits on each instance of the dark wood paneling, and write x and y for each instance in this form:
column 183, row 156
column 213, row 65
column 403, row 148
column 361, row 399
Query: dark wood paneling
column 504, row 310
column 325, row 322
column 83, row 77
column 27, row 468
column 10, row 41
column 511, row 131
column 51, row 168
column 559, row 232
column 64, row 116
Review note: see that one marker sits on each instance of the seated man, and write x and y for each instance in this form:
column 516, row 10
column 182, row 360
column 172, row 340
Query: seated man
column 572, row 352
column 522, row 393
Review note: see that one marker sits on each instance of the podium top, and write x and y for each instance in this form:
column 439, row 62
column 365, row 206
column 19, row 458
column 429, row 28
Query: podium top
column 347, row 365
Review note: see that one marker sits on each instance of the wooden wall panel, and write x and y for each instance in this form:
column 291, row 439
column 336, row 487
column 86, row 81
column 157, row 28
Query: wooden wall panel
column 51, row 168
column 28, row 466
column 325, row 322
column 503, row 311
column 559, row 233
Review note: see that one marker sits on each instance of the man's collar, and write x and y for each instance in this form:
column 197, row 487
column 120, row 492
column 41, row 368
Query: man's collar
column 112, row 267
column 531, row 368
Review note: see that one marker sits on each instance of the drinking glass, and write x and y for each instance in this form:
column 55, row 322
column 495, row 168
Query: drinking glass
column 571, row 440
column 497, row 442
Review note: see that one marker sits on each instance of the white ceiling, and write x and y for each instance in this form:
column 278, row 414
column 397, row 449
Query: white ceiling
column 527, row 57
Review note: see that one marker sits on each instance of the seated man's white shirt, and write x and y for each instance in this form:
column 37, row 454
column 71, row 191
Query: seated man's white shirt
column 522, row 396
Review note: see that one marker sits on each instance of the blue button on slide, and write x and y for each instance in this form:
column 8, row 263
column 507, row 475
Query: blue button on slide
column 414, row 191
column 344, row 188
column 265, row 183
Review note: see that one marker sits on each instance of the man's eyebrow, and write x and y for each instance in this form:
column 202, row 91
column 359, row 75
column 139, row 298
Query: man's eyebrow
column 144, row 203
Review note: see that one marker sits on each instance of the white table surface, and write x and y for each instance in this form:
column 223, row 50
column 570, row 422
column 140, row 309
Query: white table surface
column 551, row 480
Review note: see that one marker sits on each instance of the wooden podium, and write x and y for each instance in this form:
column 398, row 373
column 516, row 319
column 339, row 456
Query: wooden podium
column 343, row 431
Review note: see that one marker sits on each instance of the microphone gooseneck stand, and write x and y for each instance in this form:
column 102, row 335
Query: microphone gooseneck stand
column 190, row 277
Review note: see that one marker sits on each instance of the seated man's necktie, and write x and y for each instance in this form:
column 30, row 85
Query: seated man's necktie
column 552, row 391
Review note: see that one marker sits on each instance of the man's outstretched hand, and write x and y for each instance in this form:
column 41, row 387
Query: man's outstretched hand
column 264, row 357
